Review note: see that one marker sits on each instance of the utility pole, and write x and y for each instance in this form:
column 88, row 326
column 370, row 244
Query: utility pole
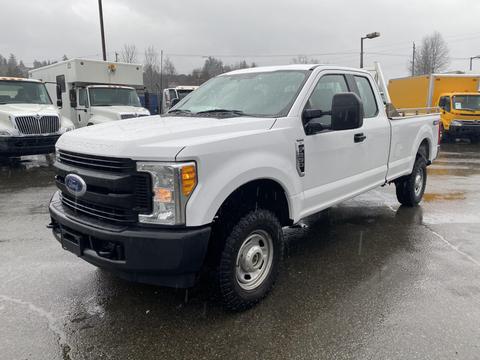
column 413, row 60
column 161, row 70
column 100, row 10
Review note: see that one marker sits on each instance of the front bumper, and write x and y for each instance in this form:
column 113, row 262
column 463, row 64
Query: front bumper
column 464, row 130
column 166, row 257
column 27, row 145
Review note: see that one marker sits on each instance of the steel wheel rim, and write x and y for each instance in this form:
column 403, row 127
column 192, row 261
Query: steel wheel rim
column 418, row 183
column 254, row 260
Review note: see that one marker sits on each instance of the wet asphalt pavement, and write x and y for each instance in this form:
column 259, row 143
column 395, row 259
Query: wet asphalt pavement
column 366, row 280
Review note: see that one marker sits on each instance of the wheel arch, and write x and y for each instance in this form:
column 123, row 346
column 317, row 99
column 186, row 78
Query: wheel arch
column 265, row 193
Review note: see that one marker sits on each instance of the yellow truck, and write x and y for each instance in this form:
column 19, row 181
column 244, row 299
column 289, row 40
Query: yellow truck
column 457, row 96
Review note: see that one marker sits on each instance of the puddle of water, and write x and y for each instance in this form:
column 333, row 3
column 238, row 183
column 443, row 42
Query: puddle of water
column 429, row 197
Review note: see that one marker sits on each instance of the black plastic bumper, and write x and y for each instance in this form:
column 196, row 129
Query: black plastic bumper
column 166, row 257
column 464, row 130
column 27, row 145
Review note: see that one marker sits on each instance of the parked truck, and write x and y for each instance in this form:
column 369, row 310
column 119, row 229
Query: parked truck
column 173, row 95
column 456, row 95
column 93, row 92
column 30, row 123
column 212, row 184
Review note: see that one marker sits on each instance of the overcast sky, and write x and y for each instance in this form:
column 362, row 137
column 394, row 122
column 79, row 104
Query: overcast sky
column 188, row 29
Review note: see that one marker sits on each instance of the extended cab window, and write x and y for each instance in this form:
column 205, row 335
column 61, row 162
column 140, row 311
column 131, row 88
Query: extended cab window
column 322, row 96
column 368, row 97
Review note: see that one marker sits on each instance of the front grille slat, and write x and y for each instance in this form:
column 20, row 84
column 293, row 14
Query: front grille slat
column 32, row 125
column 91, row 209
column 97, row 162
column 119, row 179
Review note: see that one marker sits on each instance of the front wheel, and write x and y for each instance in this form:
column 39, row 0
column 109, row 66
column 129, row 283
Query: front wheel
column 410, row 188
column 250, row 260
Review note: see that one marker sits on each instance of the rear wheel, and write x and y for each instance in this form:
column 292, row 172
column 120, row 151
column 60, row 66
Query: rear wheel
column 410, row 189
column 249, row 263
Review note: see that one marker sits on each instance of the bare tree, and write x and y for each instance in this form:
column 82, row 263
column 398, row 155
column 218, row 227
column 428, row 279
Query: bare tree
column 304, row 59
column 129, row 53
column 169, row 67
column 432, row 56
column 151, row 75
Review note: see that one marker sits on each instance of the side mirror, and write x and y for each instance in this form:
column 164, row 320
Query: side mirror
column 73, row 98
column 174, row 102
column 347, row 111
column 442, row 103
column 59, row 96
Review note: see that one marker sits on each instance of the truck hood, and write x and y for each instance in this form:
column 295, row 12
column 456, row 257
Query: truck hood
column 157, row 138
column 114, row 112
column 24, row 109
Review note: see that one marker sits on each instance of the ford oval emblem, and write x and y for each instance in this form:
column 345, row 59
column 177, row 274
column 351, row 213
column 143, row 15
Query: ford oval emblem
column 75, row 185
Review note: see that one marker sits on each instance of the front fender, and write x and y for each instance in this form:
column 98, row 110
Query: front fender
column 220, row 173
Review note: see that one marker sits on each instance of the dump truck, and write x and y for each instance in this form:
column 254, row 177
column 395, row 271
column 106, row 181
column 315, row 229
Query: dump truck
column 92, row 92
column 455, row 95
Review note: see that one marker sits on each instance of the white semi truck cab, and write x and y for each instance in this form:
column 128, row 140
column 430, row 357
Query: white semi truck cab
column 92, row 92
column 209, row 185
column 30, row 123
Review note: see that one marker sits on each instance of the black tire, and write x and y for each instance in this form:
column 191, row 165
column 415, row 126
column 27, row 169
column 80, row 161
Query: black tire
column 250, row 229
column 409, row 188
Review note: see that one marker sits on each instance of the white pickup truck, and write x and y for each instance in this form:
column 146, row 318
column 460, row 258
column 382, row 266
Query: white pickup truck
column 212, row 183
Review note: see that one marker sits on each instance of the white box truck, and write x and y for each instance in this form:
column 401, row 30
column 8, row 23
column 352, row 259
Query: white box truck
column 92, row 91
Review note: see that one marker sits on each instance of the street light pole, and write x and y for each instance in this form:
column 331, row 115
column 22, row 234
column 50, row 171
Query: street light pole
column 471, row 59
column 100, row 10
column 368, row 36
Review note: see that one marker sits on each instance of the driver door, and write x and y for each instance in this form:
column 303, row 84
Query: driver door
column 82, row 109
column 333, row 158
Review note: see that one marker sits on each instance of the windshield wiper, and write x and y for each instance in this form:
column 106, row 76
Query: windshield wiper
column 178, row 112
column 228, row 111
column 468, row 109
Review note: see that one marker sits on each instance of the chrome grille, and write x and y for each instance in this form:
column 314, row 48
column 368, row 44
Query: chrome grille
column 32, row 125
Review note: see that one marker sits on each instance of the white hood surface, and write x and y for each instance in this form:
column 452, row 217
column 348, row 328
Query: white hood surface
column 155, row 137
column 7, row 110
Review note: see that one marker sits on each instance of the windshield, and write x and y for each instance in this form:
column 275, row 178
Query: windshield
column 466, row 102
column 268, row 94
column 183, row 93
column 23, row 92
column 114, row 96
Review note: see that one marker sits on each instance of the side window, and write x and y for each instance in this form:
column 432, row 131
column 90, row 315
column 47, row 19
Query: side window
column 60, row 79
column 172, row 93
column 321, row 98
column 447, row 104
column 368, row 97
column 82, row 97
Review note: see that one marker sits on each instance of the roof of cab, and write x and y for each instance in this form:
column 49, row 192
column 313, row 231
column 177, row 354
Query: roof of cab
column 9, row 78
column 301, row 67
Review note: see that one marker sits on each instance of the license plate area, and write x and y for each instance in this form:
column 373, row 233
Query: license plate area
column 72, row 242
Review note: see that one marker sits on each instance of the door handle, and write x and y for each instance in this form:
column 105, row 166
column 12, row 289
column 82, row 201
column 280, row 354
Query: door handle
column 359, row 137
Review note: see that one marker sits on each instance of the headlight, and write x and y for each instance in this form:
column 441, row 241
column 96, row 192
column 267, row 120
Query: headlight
column 455, row 123
column 172, row 185
column 5, row 133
